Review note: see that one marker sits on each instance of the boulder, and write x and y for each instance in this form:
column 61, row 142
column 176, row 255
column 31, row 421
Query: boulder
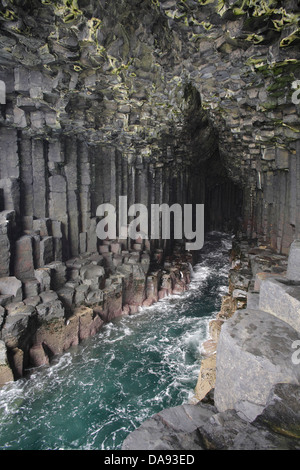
column 227, row 431
column 43, row 226
column 16, row 360
column 81, row 292
column 92, row 271
column 31, row 287
column 48, row 296
column 51, row 310
column 171, row 429
column 249, row 364
column 17, row 321
column 6, row 299
column 281, row 413
column 66, row 296
column 43, row 276
column 11, row 286
column 281, row 298
column 58, row 274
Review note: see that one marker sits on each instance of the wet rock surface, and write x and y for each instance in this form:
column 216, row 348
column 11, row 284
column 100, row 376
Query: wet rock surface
column 75, row 299
column 249, row 378
column 202, row 427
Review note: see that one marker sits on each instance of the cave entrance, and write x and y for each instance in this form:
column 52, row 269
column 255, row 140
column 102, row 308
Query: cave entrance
column 210, row 180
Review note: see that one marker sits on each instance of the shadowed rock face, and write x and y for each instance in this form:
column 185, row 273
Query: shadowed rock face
column 202, row 427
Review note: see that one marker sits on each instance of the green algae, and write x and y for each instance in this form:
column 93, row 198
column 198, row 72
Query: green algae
column 8, row 15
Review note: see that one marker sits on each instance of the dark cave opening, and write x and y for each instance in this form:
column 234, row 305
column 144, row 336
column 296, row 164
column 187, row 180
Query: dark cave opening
column 211, row 184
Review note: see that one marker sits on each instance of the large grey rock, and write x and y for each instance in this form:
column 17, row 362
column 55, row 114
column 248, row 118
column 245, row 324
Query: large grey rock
column 43, row 226
column 282, row 411
column 81, row 292
column 17, row 321
column 227, row 431
column 31, row 288
column 11, row 286
column 201, row 427
column 91, row 271
column 51, row 310
column 58, row 274
column 48, row 296
column 43, row 276
column 252, row 300
column 24, row 263
column 293, row 271
column 6, row 299
column 282, row 299
column 254, row 353
column 171, row 429
column 66, row 296
column 94, row 297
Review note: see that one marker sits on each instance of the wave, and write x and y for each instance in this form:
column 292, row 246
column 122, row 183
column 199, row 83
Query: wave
column 95, row 394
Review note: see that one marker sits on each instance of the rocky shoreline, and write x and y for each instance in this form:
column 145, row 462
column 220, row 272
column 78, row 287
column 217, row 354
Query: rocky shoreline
column 63, row 303
column 248, row 389
column 250, row 265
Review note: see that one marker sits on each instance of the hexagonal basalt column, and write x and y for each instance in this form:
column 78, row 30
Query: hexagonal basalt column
column 254, row 353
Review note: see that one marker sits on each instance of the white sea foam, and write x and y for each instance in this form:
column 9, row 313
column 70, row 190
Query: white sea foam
column 92, row 396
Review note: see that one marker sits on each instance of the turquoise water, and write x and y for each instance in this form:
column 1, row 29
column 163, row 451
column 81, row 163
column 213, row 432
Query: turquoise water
column 96, row 393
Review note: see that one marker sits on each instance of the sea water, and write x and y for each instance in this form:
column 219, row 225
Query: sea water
column 94, row 395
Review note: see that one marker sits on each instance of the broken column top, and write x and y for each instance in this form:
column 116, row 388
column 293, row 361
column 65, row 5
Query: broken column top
column 293, row 271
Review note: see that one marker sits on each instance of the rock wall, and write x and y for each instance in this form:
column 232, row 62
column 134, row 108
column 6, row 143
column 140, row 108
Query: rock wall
column 192, row 80
column 251, row 265
column 172, row 101
column 68, row 302
column 175, row 101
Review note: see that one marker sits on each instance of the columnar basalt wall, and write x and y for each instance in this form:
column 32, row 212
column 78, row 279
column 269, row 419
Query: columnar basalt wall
column 89, row 93
column 172, row 101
